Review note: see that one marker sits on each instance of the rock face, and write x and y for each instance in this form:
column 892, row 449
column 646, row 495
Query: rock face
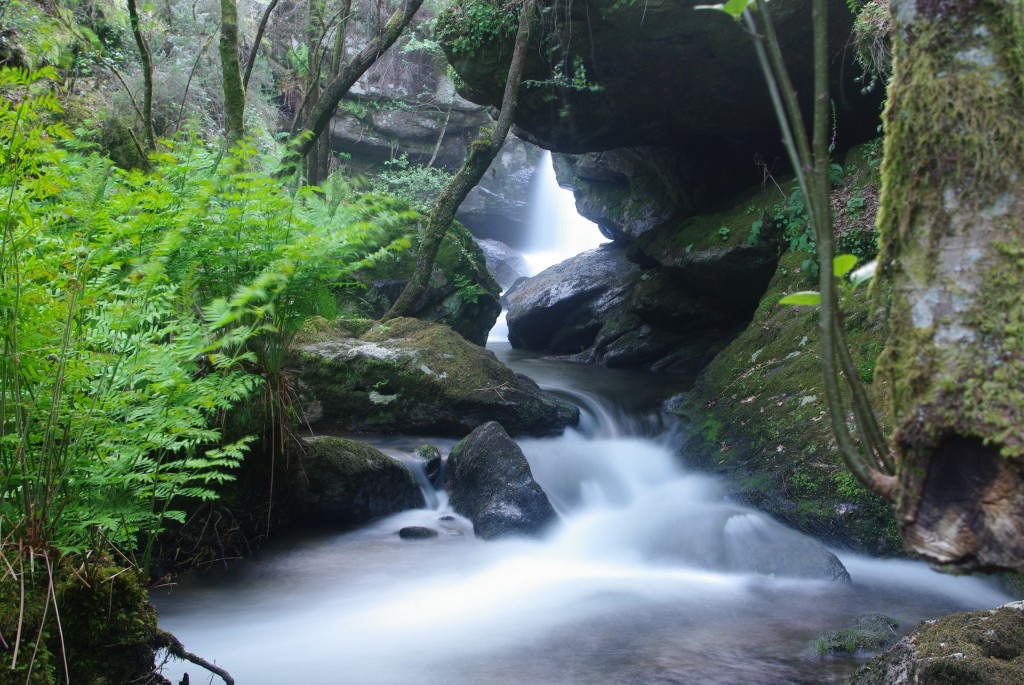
column 490, row 483
column 412, row 376
column 498, row 207
column 505, row 264
column 346, row 483
column 668, row 76
column 669, row 301
column 978, row 647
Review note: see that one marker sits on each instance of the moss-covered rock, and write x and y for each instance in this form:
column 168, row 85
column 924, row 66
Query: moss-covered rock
column 345, row 483
column 760, row 415
column 867, row 633
column 490, row 483
column 967, row 648
column 412, row 376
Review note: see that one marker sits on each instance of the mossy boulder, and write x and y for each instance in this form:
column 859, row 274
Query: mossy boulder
column 967, row 648
column 412, row 376
column 489, row 482
column 759, row 410
column 345, row 483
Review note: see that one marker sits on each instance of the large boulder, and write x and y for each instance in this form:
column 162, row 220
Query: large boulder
column 413, row 376
column 489, row 482
column 977, row 647
column 345, row 483
column 506, row 264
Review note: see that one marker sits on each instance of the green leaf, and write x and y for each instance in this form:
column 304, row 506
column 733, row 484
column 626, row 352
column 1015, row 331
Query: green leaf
column 804, row 298
column 842, row 264
column 734, row 8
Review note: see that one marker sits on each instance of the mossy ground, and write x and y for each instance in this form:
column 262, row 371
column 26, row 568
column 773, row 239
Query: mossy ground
column 760, row 414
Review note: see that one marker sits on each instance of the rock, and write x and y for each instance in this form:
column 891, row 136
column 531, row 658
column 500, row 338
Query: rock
column 505, row 264
column 867, row 633
column 498, row 207
column 346, row 483
column 461, row 293
column 978, row 647
column 489, row 482
column 562, row 309
column 412, row 376
column 417, row 533
column 431, row 457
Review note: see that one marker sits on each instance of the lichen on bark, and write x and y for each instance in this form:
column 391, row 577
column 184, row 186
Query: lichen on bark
column 952, row 242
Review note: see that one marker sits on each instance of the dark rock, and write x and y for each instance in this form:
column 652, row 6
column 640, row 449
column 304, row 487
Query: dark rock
column 345, row 483
column 411, row 376
column 562, row 309
column 977, row 647
column 489, row 482
column 506, row 264
column 867, row 633
column 431, row 457
column 417, row 533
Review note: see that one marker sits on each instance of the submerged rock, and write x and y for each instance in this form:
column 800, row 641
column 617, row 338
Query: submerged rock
column 417, row 533
column 977, row 647
column 869, row 632
column 412, row 376
column 489, row 482
column 345, row 483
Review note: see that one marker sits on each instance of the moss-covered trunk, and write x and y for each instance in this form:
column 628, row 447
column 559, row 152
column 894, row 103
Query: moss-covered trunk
column 231, row 72
column 952, row 228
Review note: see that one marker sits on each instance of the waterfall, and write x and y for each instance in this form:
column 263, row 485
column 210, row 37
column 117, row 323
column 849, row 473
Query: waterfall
column 555, row 230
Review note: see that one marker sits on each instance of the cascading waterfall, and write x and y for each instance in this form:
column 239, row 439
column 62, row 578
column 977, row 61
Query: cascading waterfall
column 555, row 230
column 651, row 576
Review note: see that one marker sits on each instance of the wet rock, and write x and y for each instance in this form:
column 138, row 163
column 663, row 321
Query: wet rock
column 498, row 207
column 562, row 309
column 505, row 264
column 431, row 457
column 417, row 533
column 977, row 647
column 411, row 376
column 489, row 482
column 345, row 483
column 867, row 633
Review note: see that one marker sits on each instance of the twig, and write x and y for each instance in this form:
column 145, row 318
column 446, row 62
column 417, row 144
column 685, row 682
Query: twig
column 174, row 646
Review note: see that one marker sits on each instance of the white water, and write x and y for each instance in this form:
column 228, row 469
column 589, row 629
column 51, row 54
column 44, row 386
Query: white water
column 633, row 586
column 555, row 230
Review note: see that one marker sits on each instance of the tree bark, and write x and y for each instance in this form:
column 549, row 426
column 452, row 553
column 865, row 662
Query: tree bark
column 952, row 236
column 147, row 75
column 231, row 72
column 251, row 62
column 482, row 152
column 319, row 116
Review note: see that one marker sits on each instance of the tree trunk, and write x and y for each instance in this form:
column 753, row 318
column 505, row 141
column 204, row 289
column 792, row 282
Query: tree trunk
column 319, row 116
column 482, row 152
column 952, row 234
column 231, row 72
column 251, row 62
column 147, row 75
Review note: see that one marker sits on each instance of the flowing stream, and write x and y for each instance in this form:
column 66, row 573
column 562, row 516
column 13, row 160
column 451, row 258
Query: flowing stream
column 642, row 581
column 595, row 601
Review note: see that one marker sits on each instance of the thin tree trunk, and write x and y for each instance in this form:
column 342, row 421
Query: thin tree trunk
column 319, row 116
column 249, row 63
column 231, row 73
column 147, row 75
column 482, row 152
column 951, row 225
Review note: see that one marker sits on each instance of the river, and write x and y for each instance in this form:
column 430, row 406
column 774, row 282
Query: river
column 599, row 600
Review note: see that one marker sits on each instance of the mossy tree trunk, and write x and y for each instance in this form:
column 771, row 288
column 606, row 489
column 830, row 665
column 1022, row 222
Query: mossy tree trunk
column 147, row 74
column 231, row 72
column 482, row 152
column 952, row 233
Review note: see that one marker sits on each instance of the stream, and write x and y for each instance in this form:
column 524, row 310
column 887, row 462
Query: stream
column 596, row 601
column 637, row 584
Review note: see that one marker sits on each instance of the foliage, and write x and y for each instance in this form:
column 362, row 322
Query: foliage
column 469, row 25
column 416, row 184
column 872, row 44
